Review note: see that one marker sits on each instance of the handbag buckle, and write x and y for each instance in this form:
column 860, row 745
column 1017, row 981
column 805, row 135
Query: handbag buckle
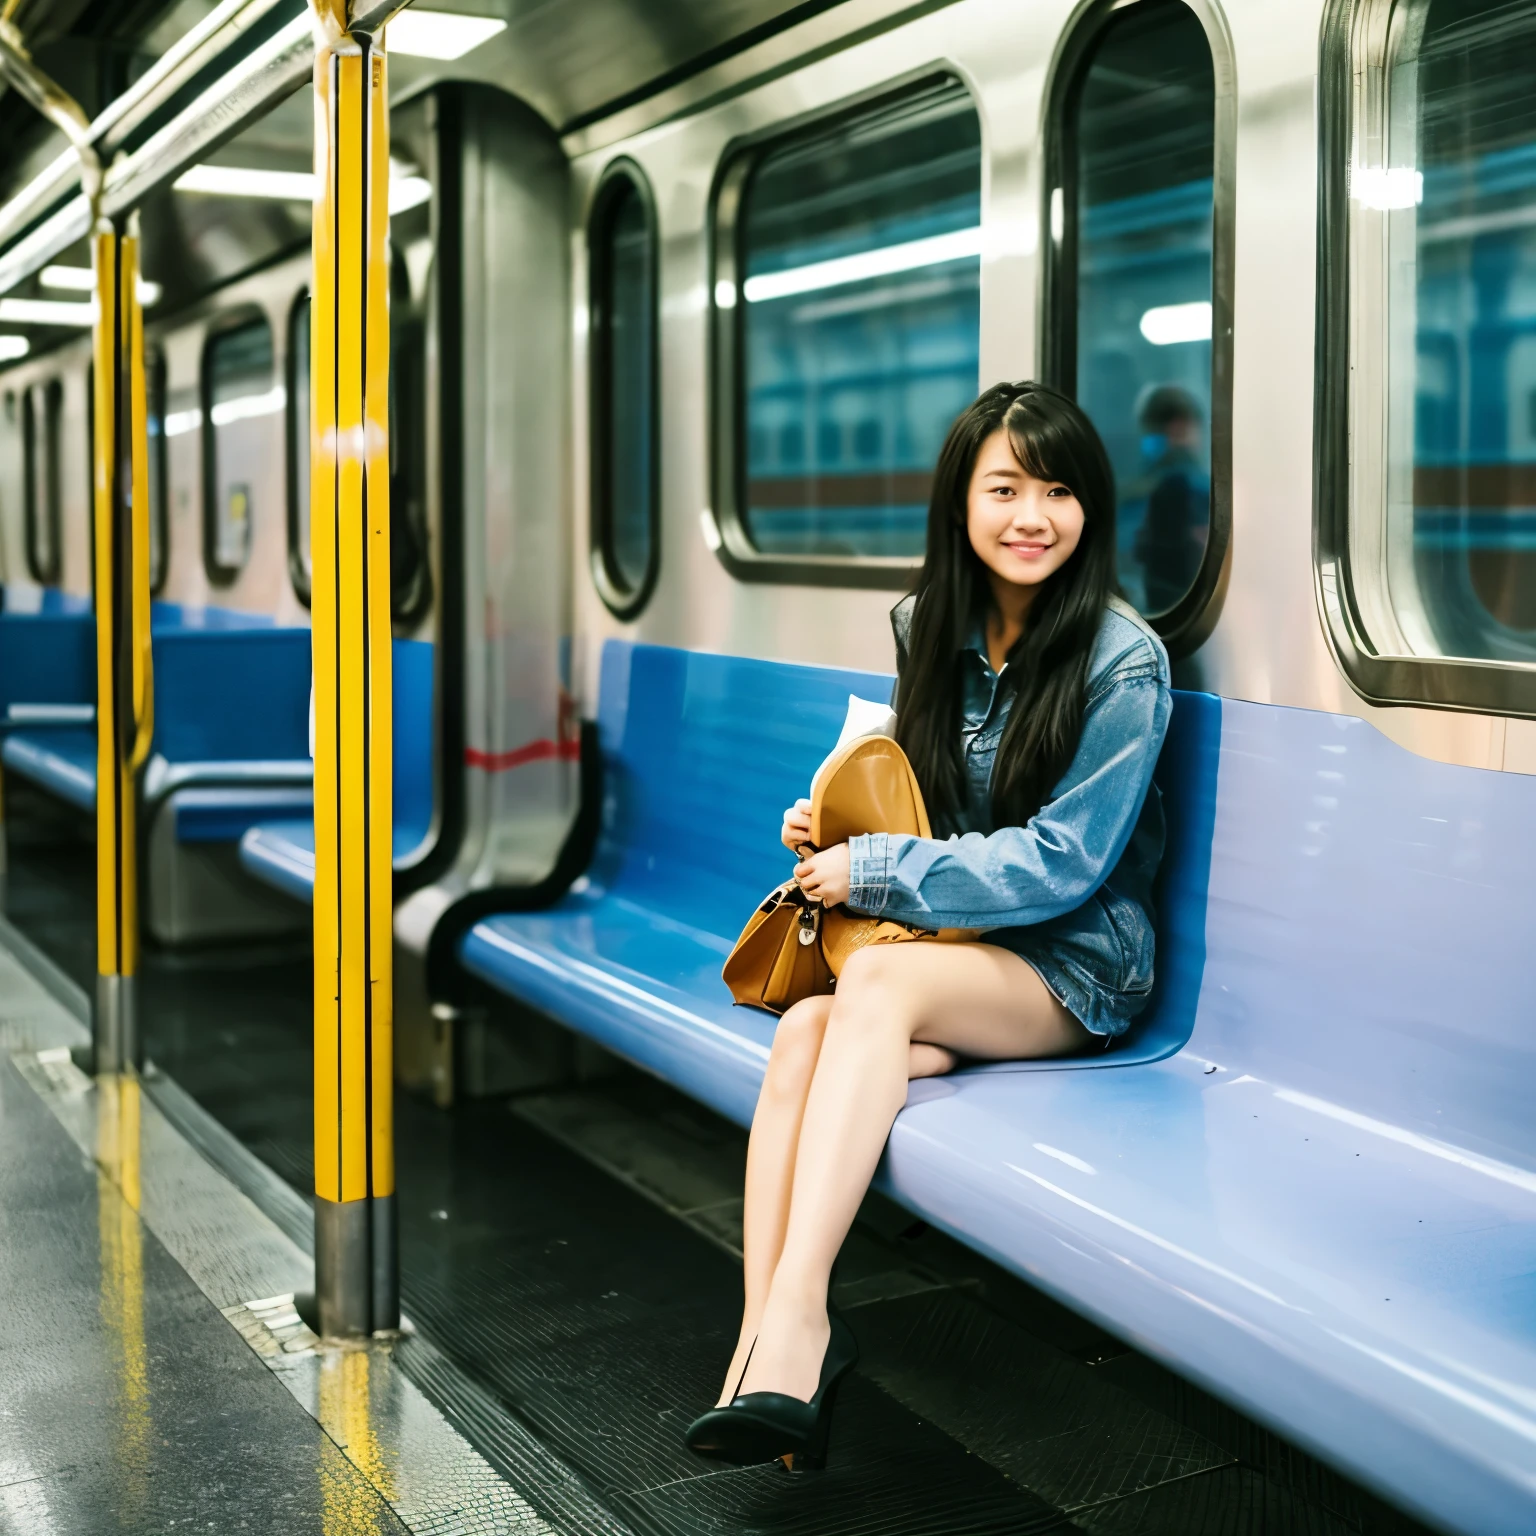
column 810, row 921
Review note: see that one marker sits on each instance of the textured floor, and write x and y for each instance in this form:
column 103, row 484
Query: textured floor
column 130, row 1405
column 572, row 1252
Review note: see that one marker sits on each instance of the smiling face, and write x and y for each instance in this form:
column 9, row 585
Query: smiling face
column 1023, row 529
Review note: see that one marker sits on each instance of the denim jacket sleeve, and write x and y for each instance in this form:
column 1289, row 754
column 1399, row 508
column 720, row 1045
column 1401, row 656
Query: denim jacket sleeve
column 1018, row 876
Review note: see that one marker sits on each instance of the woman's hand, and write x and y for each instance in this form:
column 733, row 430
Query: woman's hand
column 824, row 876
column 796, row 832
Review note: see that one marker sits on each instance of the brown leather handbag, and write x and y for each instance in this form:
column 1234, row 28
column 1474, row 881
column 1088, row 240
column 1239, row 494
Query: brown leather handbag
column 794, row 948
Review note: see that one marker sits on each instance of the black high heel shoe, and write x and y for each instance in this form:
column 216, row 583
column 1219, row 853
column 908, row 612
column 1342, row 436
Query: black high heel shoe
column 767, row 1426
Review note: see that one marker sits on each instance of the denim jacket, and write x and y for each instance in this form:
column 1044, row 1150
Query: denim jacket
column 1071, row 891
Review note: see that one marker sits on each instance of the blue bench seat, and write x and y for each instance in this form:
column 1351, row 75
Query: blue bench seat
column 1308, row 1179
column 279, row 849
column 61, row 760
column 231, row 710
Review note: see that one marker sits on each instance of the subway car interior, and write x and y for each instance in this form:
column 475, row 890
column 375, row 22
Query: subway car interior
column 457, row 462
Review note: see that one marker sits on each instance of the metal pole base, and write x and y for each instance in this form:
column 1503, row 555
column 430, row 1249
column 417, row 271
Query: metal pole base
column 356, row 1246
column 115, row 1031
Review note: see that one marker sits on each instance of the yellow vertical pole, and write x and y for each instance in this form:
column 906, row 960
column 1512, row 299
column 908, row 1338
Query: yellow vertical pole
column 355, row 1236
column 120, row 467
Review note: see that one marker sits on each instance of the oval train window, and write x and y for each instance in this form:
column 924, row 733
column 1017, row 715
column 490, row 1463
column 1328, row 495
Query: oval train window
column 1458, row 197
column 298, row 447
column 239, row 392
column 42, row 412
column 625, row 480
column 159, row 477
column 1132, row 216
column 410, row 567
column 848, row 301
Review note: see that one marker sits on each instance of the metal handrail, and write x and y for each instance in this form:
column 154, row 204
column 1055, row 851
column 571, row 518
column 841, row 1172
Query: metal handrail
column 257, row 83
column 107, row 133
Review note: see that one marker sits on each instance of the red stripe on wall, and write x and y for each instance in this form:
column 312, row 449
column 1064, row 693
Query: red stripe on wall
column 534, row 752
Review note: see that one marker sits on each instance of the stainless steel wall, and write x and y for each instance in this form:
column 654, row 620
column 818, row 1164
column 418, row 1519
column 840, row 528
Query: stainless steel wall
column 1268, row 645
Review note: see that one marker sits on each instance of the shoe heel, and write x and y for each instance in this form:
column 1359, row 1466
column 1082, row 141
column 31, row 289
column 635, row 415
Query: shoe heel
column 813, row 1456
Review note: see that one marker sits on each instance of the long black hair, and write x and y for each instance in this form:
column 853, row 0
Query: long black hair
column 1048, row 666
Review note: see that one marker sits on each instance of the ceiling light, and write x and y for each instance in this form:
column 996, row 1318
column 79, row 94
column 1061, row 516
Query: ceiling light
column 1170, row 323
column 12, row 347
column 244, row 407
column 439, row 34
column 241, row 181
column 408, row 192
column 286, row 186
column 75, row 279
column 1385, row 189
column 83, row 280
column 177, row 423
column 46, row 312
column 881, row 262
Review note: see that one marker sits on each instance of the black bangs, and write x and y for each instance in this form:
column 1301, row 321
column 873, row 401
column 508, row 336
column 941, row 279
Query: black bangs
column 1048, row 448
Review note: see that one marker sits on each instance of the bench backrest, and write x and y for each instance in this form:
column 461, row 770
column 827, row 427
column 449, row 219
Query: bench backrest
column 703, row 753
column 236, row 695
column 47, row 658
column 414, row 728
column 1369, row 937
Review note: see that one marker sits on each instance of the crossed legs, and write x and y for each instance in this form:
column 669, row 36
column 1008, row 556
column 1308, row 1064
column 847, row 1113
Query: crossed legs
column 836, row 1078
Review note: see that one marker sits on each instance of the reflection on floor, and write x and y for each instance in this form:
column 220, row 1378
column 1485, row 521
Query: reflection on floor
column 573, row 1253
column 130, row 1405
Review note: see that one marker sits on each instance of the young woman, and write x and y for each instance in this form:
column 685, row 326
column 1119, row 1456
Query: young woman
column 1032, row 703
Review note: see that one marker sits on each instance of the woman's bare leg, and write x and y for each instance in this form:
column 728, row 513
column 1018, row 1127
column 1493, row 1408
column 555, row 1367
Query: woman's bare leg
column 771, row 1163
column 771, row 1155
column 976, row 999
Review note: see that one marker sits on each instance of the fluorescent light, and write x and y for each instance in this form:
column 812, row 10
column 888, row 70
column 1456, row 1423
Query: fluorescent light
column 439, row 34
column 1387, row 188
column 12, row 347
column 244, row 407
column 83, row 280
column 47, row 312
column 75, row 279
column 241, row 181
column 725, row 294
column 1170, row 323
column 178, row 422
column 881, row 262
column 408, row 192
column 286, row 186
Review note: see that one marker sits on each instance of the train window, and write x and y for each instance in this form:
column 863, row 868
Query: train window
column 410, row 572
column 625, row 505
column 847, row 295
column 1426, row 421
column 298, row 447
column 410, row 567
column 42, row 417
column 159, row 477
column 1132, row 292
column 239, row 391
column 1454, row 198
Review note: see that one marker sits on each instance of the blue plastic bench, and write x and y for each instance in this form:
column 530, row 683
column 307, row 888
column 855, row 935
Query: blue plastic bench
column 230, row 747
column 1308, row 1179
column 231, row 717
column 279, row 849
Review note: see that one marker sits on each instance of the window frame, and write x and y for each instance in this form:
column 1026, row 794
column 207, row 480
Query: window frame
column 42, row 407
column 231, row 320
column 298, row 575
column 1348, row 111
column 157, row 392
column 725, row 528
column 619, row 173
column 1189, row 623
